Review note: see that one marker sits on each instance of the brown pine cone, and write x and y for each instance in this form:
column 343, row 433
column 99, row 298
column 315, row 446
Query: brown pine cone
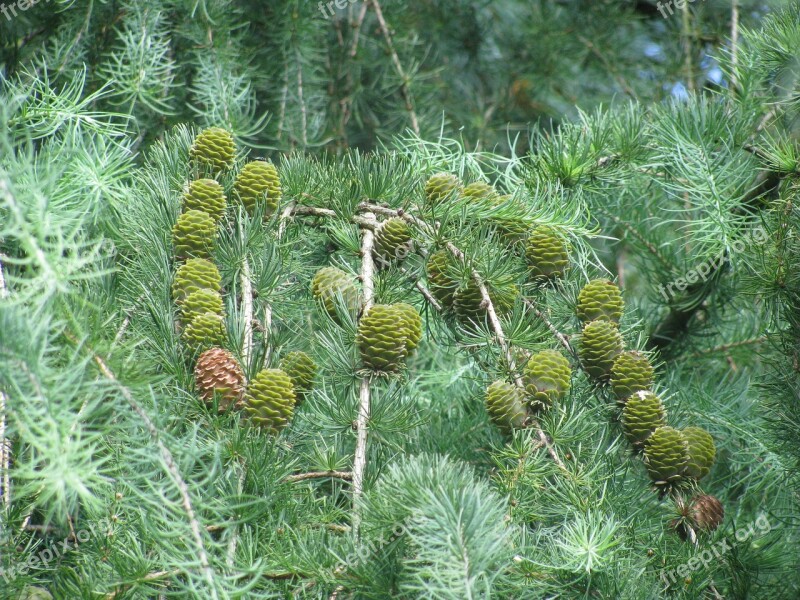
column 218, row 371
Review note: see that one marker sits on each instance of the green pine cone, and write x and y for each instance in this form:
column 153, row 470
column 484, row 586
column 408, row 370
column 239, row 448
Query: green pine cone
column 600, row 300
column 440, row 187
column 206, row 195
column 601, row 343
column 632, row 372
column 701, row 452
column 382, row 344
column 193, row 235
column 258, row 181
column 200, row 302
column 270, row 400
column 412, row 325
column 195, row 274
column 203, row 332
column 546, row 253
column 468, row 302
column 505, row 404
column 480, row 190
column 302, row 370
column 328, row 284
column 666, row 454
column 643, row 413
column 547, row 378
column 392, row 241
column 440, row 284
column 214, row 147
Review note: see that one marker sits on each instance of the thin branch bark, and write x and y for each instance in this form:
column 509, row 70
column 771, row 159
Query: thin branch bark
column 405, row 90
column 562, row 339
column 5, row 445
column 172, row 468
column 247, row 311
column 360, row 459
column 345, row 475
column 734, row 40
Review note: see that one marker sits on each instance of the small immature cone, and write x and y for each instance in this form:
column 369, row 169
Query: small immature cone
column 218, row 372
column 707, row 512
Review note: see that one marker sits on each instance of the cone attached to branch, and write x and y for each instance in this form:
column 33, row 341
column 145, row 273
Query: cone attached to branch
column 270, row 400
column 214, row 148
column 480, row 191
column 468, row 301
column 392, row 242
column 382, row 339
column 440, row 187
column 441, row 285
column 218, row 373
column 302, row 370
column 547, row 253
column 193, row 235
column 505, row 404
column 258, row 182
column 643, row 414
column 330, row 286
column 203, row 332
column 631, row 373
column 411, row 324
column 547, row 378
column 600, row 300
column 195, row 274
column 702, row 452
column 199, row 302
column 206, row 195
column 706, row 512
column 601, row 343
column 666, row 454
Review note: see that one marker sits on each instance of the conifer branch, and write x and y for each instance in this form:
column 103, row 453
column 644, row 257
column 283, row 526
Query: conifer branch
column 562, row 339
column 405, row 90
column 5, row 445
column 360, row 459
column 357, row 28
column 247, row 312
column 172, row 468
column 345, row 475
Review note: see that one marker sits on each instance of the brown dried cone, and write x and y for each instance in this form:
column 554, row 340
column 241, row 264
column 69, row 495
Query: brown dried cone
column 701, row 513
column 218, row 373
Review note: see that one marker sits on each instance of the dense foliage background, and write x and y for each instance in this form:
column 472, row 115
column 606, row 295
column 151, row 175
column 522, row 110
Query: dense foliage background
column 663, row 148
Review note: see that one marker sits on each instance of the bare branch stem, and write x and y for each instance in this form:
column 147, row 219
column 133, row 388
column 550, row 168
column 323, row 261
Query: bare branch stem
column 345, row 475
column 360, row 459
column 247, row 311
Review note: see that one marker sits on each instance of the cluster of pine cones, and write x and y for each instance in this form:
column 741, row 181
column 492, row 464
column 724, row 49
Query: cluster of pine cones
column 269, row 399
column 675, row 459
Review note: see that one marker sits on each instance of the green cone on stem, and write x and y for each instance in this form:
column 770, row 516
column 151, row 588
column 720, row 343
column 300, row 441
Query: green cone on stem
column 382, row 344
column 206, row 195
column 195, row 274
column 600, row 300
column 643, row 414
column 601, row 343
column 193, row 235
column 702, row 452
column 666, row 454
column 547, row 253
column 329, row 284
column 631, row 373
column 214, row 148
column 258, row 182
column 270, row 400
column 546, row 378
column 440, row 187
column 302, row 370
column 505, row 404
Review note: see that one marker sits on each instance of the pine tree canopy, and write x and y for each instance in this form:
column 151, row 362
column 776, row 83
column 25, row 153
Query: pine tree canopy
column 378, row 299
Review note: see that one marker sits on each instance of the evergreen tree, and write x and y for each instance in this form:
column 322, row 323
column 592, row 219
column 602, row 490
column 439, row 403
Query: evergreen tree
column 566, row 369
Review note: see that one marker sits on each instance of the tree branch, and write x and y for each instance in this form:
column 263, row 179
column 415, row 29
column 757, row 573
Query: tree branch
column 360, row 459
column 345, row 475
column 172, row 468
column 5, row 445
column 247, row 311
column 405, row 90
